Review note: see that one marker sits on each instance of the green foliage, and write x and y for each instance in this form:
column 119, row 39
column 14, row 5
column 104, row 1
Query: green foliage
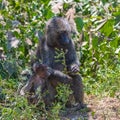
column 79, row 24
column 63, row 93
column 100, row 57
column 21, row 25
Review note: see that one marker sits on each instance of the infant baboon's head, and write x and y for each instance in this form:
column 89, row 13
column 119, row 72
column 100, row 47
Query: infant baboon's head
column 41, row 70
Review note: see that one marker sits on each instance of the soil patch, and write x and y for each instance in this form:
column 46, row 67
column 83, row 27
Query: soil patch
column 106, row 108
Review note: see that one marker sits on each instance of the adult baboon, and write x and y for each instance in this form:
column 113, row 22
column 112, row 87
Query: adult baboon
column 58, row 35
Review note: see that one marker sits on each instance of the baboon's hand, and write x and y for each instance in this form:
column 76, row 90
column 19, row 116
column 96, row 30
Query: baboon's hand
column 74, row 68
column 49, row 71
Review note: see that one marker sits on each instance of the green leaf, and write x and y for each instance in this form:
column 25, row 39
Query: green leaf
column 79, row 23
column 10, row 67
column 95, row 42
column 104, row 1
column 107, row 29
column 117, row 19
column 115, row 42
column 77, row 0
column 49, row 14
column 65, row 6
column 45, row 2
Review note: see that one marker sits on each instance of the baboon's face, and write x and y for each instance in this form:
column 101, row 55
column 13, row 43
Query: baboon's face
column 63, row 38
column 58, row 30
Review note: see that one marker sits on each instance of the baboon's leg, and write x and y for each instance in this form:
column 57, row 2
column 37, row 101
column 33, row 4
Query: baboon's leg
column 77, row 88
column 48, row 94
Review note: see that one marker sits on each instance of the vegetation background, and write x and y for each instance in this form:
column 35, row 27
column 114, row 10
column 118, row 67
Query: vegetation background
column 97, row 43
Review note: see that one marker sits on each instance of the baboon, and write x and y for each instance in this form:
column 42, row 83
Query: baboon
column 58, row 35
column 39, row 78
column 36, row 80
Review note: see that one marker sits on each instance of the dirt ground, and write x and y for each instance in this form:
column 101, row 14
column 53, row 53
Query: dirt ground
column 106, row 108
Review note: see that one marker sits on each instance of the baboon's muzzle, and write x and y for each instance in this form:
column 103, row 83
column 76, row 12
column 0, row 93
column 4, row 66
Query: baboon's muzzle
column 64, row 39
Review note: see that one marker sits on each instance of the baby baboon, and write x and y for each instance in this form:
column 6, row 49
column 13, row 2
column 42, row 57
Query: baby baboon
column 57, row 35
column 40, row 79
column 36, row 80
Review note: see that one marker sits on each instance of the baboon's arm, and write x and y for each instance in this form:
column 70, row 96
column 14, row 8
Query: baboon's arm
column 71, row 57
column 59, row 76
column 47, row 54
